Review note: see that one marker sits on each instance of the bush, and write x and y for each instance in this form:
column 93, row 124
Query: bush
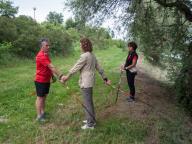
column 8, row 30
column 5, row 47
column 5, row 54
column 74, row 34
column 29, row 32
column 61, row 42
column 183, row 84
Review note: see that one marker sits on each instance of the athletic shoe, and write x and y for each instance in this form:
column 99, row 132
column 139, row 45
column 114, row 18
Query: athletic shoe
column 40, row 119
column 130, row 99
column 85, row 122
column 43, row 115
column 87, row 127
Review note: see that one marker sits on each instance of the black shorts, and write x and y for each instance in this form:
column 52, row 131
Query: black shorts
column 42, row 89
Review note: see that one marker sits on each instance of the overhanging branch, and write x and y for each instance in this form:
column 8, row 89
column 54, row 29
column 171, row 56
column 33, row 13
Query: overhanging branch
column 180, row 5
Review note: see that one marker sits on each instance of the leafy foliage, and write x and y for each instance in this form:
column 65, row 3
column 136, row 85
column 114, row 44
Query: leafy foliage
column 29, row 32
column 55, row 18
column 8, row 29
column 161, row 28
column 164, row 37
column 24, row 33
column 61, row 41
column 7, row 9
column 70, row 23
column 4, row 48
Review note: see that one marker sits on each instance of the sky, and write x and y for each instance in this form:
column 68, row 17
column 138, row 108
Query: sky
column 43, row 7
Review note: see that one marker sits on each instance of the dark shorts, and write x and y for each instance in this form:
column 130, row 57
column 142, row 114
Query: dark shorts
column 42, row 89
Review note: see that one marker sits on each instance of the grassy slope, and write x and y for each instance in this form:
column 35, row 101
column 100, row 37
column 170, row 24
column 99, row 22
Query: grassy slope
column 64, row 113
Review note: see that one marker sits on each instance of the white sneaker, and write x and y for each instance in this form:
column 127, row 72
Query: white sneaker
column 85, row 122
column 87, row 127
column 40, row 119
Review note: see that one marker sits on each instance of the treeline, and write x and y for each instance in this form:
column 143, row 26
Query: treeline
column 19, row 36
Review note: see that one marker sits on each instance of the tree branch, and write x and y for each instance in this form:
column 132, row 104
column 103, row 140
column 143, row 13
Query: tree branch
column 180, row 5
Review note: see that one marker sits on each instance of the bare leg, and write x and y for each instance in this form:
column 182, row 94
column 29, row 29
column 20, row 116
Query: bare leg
column 38, row 106
column 43, row 104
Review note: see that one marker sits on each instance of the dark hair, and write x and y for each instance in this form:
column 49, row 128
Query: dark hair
column 133, row 45
column 43, row 40
column 86, row 44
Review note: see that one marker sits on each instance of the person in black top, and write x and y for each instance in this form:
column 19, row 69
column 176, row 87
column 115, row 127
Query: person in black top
column 130, row 68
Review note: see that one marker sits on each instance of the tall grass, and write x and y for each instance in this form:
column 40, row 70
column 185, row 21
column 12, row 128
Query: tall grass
column 64, row 114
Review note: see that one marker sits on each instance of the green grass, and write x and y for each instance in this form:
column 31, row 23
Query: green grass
column 64, row 113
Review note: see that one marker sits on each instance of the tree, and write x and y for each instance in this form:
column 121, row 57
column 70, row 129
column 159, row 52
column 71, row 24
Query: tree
column 183, row 6
column 29, row 32
column 70, row 23
column 55, row 18
column 161, row 27
column 7, row 9
column 24, row 23
column 61, row 42
column 4, row 49
column 8, row 30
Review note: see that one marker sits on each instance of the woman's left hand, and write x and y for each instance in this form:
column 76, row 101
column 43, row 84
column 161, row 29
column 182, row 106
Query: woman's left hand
column 108, row 82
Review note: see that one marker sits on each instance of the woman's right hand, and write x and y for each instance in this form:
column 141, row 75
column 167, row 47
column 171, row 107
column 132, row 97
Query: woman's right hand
column 64, row 79
column 122, row 68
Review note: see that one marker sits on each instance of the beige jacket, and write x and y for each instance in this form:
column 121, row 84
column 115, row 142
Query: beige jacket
column 87, row 64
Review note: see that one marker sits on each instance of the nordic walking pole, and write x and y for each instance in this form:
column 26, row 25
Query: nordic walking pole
column 79, row 101
column 118, row 87
column 113, row 87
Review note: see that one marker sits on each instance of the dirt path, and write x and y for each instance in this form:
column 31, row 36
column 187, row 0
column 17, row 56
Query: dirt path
column 153, row 103
column 150, row 96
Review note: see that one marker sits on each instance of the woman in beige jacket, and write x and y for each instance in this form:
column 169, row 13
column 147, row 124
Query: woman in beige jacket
column 87, row 64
